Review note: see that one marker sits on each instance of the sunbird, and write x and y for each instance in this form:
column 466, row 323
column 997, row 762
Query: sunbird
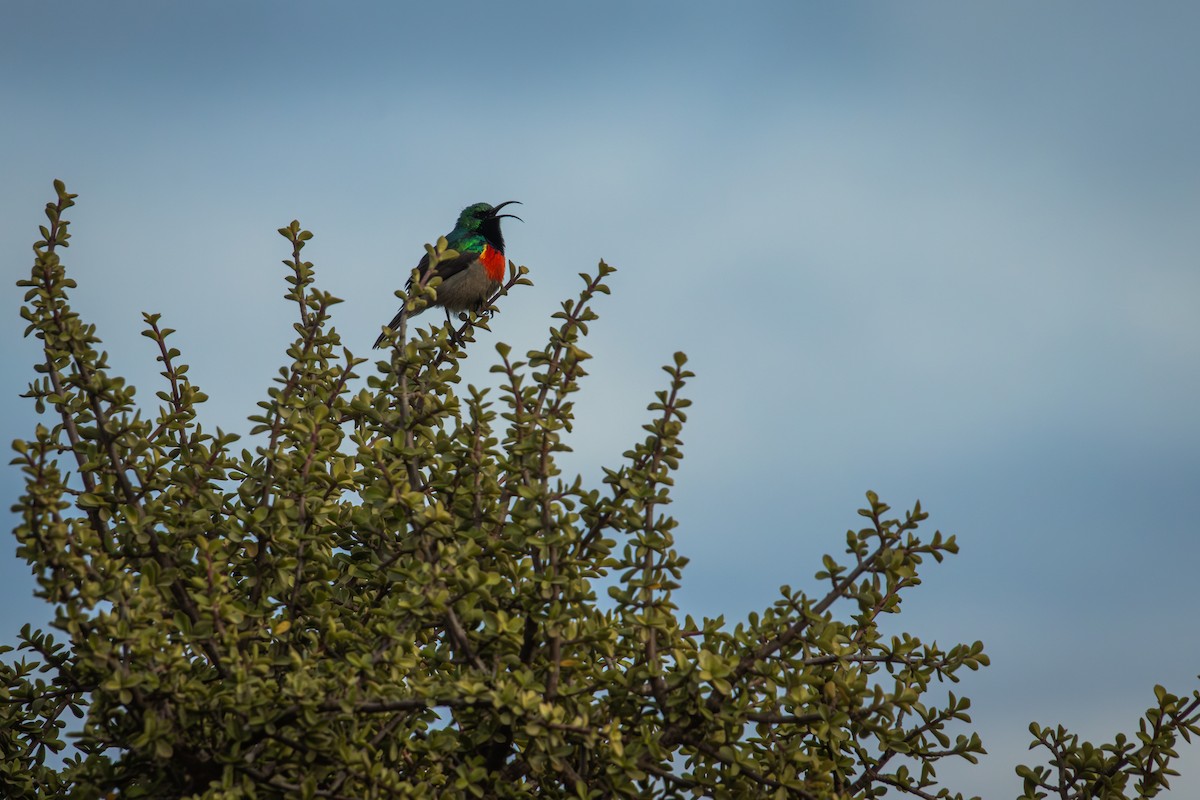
column 476, row 274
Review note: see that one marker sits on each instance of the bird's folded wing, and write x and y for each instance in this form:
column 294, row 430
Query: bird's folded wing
column 446, row 269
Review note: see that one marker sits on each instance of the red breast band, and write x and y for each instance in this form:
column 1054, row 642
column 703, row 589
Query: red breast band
column 493, row 262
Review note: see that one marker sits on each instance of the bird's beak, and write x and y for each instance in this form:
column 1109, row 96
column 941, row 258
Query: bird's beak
column 496, row 215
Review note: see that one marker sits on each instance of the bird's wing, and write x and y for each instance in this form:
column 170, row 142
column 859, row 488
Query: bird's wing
column 447, row 269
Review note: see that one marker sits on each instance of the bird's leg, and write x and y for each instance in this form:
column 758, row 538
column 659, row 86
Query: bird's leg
column 455, row 339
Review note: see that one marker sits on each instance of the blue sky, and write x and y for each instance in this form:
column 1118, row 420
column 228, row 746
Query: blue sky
column 942, row 251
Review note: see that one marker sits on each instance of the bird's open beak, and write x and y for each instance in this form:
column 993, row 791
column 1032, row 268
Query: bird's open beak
column 496, row 215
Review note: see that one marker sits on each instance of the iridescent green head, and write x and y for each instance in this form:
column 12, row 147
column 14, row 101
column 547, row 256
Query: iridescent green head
column 483, row 220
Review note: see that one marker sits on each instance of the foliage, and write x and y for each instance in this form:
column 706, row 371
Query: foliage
column 393, row 593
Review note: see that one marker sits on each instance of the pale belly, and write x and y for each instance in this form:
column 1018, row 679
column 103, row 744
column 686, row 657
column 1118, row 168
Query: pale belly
column 468, row 290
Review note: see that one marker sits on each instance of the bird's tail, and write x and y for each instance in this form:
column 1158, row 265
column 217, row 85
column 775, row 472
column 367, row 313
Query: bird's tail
column 395, row 325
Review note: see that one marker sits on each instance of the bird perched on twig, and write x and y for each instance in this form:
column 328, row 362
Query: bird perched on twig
column 476, row 274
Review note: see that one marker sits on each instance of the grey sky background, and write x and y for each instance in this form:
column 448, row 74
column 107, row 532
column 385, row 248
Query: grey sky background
column 942, row 251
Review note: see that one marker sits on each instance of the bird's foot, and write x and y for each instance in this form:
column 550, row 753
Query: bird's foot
column 456, row 338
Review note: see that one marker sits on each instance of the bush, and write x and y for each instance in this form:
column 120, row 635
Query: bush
column 393, row 593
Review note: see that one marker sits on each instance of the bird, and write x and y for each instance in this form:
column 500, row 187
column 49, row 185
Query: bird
column 476, row 273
